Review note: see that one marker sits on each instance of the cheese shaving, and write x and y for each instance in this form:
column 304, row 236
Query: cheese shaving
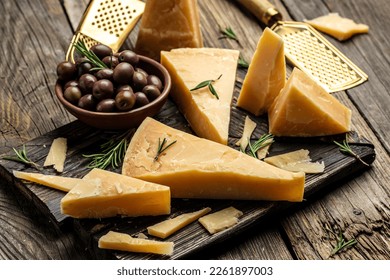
column 249, row 127
column 57, row 154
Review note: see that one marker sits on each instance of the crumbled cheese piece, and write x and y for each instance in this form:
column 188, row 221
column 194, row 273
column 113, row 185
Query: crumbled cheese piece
column 249, row 127
column 57, row 154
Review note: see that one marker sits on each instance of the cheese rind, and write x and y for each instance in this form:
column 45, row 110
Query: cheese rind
column 339, row 27
column 168, row 227
column 124, row 242
column 208, row 116
column 104, row 194
column 57, row 154
column 304, row 108
column 198, row 168
column 56, row 182
column 221, row 220
column 266, row 74
column 168, row 24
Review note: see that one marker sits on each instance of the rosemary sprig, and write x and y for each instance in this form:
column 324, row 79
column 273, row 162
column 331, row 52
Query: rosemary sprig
column 345, row 148
column 242, row 63
column 260, row 143
column 343, row 244
column 229, row 33
column 161, row 147
column 21, row 156
column 90, row 55
column 209, row 84
column 112, row 152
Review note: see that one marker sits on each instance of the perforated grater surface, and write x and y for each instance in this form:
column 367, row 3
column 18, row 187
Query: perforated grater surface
column 107, row 22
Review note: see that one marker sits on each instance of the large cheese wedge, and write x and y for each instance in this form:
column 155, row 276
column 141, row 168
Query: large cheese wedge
column 194, row 167
column 266, row 74
column 304, row 108
column 339, row 27
column 104, row 194
column 168, row 24
column 208, row 116
column 124, row 242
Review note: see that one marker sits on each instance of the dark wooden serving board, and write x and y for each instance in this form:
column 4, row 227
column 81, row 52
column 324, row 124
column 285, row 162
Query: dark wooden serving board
column 85, row 140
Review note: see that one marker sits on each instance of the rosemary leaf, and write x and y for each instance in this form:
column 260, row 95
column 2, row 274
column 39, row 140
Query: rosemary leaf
column 243, row 63
column 342, row 244
column 259, row 144
column 229, row 33
column 345, row 148
column 90, row 55
column 161, row 148
column 21, row 156
column 209, row 84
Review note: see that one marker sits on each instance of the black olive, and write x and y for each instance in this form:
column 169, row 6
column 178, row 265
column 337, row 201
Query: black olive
column 101, row 50
column 71, row 83
column 125, row 100
column 123, row 73
column 124, row 87
column 87, row 102
column 66, row 71
column 142, row 71
column 103, row 89
column 111, row 61
column 139, row 80
column 83, row 68
column 72, row 94
column 151, row 91
column 106, row 105
column 154, row 80
column 86, row 83
column 141, row 99
column 129, row 56
column 105, row 74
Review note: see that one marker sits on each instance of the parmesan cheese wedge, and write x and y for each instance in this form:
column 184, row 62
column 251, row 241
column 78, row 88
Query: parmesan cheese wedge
column 57, row 154
column 249, row 127
column 296, row 161
column 103, row 194
column 198, row 168
column 56, row 182
column 339, row 27
column 124, row 242
column 168, row 227
column 221, row 220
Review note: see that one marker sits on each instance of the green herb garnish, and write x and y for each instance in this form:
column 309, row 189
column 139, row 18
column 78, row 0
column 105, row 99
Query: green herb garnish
column 242, row 63
column 90, row 55
column 209, row 84
column 21, row 156
column 161, row 147
column 345, row 148
column 112, row 152
column 229, row 33
column 262, row 142
column 343, row 244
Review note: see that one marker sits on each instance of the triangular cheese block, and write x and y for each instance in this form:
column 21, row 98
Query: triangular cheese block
column 339, row 27
column 304, row 108
column 208, row 115
column 266, row 74
column 104, row 194
column 167, row 25
column 194, row 167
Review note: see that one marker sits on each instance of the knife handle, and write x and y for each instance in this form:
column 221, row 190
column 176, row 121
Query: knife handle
column 263, row 10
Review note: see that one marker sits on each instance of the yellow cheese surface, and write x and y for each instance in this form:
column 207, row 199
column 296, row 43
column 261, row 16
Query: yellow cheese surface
column 339, row 27
column 168, row 227
column 168, row 24
column 124, row 242
column 221, row 220
column 57, row 154
column 304, row 108
column 208, row 116
column 104, row 194
column 266, row 74
column 56, row 182
column 198, row 168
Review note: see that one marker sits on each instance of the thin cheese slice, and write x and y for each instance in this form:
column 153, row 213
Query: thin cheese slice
column 124, row 242
column 104, row 194
column 266, row 74
column 339, row 27
column 263, row 152
column 56, row 182
column 57, row 154
column 304, row 108
column 168, row 227
column 221, row 220
column 168, row 24
column 198, row 168
column 208, row 116
column 296, row 161
column 249, row 127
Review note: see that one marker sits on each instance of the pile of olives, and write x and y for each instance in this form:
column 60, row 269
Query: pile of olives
column 120, row 87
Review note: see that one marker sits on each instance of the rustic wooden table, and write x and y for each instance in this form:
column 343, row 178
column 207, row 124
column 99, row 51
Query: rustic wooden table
column 34, row 38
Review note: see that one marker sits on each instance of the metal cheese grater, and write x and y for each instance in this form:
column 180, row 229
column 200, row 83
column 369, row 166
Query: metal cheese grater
column 308, row 50
column 107, row 22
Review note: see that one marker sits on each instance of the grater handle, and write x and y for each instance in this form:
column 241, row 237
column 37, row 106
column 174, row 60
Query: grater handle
column 263, row 10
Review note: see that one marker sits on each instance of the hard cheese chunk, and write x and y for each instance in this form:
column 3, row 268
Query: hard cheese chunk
column 168, row 227
column 208, row 116
column 339, row 27
column 266, row 74
column 124, row 242
column 104, row 194
column 57, row 154
column 168, row 24
column 198, row 168
column 56, row 182
column 221, row 220
column 304, row 108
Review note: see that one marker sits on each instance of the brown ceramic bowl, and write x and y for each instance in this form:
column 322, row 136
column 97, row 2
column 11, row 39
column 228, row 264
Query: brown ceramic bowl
column 123, row 120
